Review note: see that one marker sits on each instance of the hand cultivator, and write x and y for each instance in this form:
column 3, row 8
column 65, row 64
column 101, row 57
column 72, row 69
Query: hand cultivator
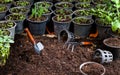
column 71, row 42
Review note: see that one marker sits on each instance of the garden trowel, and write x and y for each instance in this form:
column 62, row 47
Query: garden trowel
column 37, row 46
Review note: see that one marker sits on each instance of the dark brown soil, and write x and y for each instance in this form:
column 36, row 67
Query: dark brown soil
column 93, row 69
column 53, row 60
column 113, row 42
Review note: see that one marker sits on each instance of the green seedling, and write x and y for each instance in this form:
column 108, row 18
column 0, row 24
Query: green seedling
column 3, row 8
column 5, row 41
column 22, row 3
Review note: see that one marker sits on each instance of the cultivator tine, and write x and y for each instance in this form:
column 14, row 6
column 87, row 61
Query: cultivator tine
column 71, row 45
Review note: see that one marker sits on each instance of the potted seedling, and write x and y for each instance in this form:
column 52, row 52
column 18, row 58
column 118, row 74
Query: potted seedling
column 83, row 12
column 23, row 3
column 115, row 19
column 19, row 19
column 65, row 0
column 5, row 41
column 63, row 12
column 45, row 4
column 19, row 10
column 103, row 19
column 61, row 22
column 100, row 1
column 10, row 26
column 82, row 26
column 6, row 2
column 82, row 0
column 65, row 5
column 36, row 20
column 3, row 11
column 83, row 5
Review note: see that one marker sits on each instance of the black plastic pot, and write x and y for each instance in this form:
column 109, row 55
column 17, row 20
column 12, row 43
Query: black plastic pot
column 19, row 27
column 112, row 34
column 2, row 14
column 102, row 29
column 10, row 29
column 37, row 28
column 12, row 10
column 114, row 49
column 58, row 26
column 82, row 30
column 48, row 15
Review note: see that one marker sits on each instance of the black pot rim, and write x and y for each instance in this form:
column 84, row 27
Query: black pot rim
column 107, row 39
column 9, row 21
column 37, row 21
column 107, row 26
column 82, row 23
column 63, row 9
column 13, row 14
column 53, row 19
column 44, row 1
column 63, row 2
column 19, row 7
column 5, row 10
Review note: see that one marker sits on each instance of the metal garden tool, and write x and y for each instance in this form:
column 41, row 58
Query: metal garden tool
column 72, row 44
column 37, row 46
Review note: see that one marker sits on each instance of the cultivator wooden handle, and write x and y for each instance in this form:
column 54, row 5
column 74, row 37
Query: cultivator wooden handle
column 30, row 36
column 85, row 43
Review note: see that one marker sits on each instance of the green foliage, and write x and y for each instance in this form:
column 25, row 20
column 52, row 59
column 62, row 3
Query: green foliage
column 6, row 24
column 61, row 17
column 3, row 8
column 5, row 1
column 5, row 41
column 16, row 16
column 38, row 11
column 44, row 4
column 22, row 3
column 116, row 20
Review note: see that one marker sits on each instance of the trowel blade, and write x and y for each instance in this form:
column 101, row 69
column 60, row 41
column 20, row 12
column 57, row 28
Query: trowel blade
column 38, row 47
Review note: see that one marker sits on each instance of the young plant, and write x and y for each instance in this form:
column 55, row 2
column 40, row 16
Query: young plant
column 22, row 3
column 16, row 16
column 5, row 1
column 5, row 41
column 116, row 20
column 63, row 18
column 63, row 12
column 3, row 8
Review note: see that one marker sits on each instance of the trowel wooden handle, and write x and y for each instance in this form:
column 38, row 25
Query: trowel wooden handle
column 30, row 35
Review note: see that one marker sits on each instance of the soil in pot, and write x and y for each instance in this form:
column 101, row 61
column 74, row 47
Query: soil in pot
column 83, row 12
column 83, row 5
column 45, row 4
column 22, row 3
column 113, row 42
column 113, row 45
column 65, row 5
column 92, row 69
column 19, row 10
column 63, row 12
